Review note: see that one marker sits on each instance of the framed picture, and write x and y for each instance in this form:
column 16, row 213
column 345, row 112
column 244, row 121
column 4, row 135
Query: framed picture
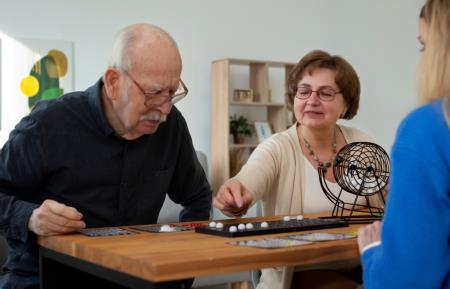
column 263, row 130
column 45, row 70
column 243, row 95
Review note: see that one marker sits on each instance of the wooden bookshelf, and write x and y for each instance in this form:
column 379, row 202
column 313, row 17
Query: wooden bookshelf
column 260, row 81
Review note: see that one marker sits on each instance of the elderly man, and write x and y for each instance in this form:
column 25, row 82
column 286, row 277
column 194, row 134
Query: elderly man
column 106, row 156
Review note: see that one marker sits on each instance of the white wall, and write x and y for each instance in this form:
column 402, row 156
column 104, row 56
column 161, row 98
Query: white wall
column 377, row 37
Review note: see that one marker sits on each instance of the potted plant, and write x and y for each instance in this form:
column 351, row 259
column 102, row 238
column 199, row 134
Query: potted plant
column 239, row 128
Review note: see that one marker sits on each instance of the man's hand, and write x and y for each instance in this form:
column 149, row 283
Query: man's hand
column 368, row 235
column 53, row 218
column 233, row 199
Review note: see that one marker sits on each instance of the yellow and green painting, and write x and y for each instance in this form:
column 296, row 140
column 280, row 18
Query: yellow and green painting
column 43, row 81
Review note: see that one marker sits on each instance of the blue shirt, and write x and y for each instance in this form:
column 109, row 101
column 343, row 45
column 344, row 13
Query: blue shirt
column 415, row 239
column 65, row 150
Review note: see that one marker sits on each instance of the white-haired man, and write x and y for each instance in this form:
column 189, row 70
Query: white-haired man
column 106, row 156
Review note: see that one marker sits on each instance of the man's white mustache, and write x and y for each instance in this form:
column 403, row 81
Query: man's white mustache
column 154, row 116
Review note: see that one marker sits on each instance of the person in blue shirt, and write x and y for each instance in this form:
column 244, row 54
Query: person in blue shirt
column 411, row 248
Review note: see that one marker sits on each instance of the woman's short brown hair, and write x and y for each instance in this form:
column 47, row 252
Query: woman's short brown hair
column 346, row 78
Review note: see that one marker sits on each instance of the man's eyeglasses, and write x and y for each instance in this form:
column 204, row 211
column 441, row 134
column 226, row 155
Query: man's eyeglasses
column 155, row 98
column 324, row 94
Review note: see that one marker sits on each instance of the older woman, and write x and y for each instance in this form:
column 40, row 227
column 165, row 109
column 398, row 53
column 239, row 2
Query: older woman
column 413, row 250
column 282, row 171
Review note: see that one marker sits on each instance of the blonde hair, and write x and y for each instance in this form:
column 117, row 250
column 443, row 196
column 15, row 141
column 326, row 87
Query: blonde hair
column 434, row 80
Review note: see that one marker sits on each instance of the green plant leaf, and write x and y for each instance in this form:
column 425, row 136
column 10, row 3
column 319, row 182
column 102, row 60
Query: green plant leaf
column 240, row 125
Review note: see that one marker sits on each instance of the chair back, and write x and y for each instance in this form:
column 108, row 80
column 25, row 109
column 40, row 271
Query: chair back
column 170, row 211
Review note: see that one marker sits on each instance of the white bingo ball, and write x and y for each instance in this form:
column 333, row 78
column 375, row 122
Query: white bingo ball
column 165, row 228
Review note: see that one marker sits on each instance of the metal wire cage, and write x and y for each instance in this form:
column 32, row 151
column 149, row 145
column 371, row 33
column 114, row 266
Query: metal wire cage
column 361, row 169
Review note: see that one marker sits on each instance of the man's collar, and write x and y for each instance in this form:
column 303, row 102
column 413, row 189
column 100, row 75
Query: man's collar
column 94, row 94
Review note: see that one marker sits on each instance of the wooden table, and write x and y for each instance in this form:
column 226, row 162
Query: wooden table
column 149, row 260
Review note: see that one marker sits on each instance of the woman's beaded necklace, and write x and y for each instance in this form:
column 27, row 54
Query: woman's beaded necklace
column 321, row 164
